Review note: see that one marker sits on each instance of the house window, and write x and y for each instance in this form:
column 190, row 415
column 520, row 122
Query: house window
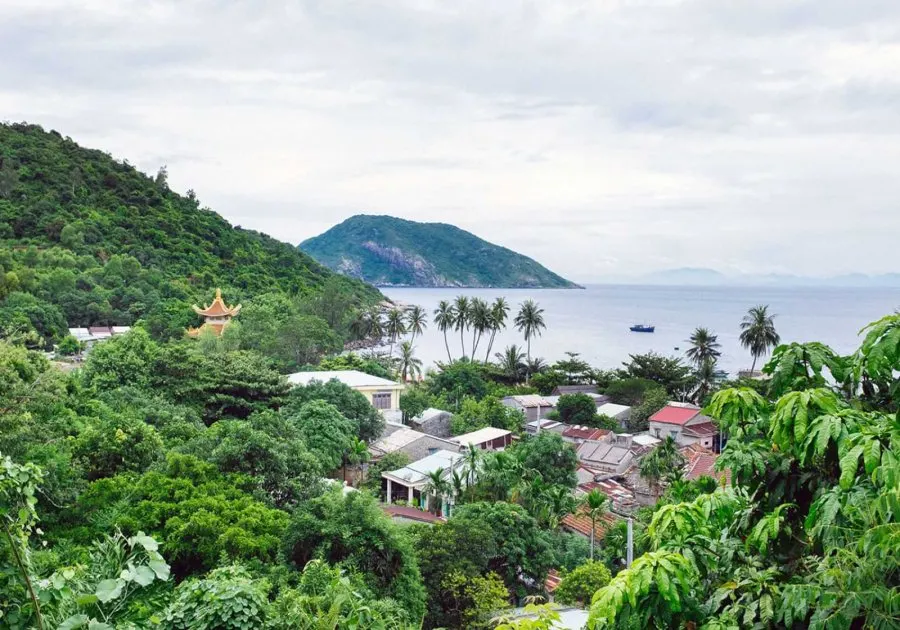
column 657, row 432
column 381, row 400
column 674, row 434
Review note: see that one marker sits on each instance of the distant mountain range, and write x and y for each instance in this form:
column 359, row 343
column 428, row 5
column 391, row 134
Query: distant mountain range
column 698, row 276
column 386, row 251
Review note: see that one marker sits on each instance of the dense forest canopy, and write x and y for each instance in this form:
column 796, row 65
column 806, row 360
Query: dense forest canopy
column 94, row 241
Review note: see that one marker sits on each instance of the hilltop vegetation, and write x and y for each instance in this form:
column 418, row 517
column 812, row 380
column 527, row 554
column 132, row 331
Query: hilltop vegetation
column 91, row 241
column 387, row 251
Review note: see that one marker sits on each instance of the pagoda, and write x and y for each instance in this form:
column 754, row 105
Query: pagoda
column 216, row 316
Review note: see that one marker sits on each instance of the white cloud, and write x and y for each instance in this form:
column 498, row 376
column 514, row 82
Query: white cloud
column 599, row 137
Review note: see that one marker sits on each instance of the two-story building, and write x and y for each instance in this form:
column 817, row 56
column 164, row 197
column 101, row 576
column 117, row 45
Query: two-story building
column 684, row 423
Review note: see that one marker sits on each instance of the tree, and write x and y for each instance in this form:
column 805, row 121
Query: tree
column 471, row 601
column 663, row 462
column 122, row 360
column 576, row 409
column 595, row 504
column 458, row 380
column 758, row 333
column 705, row 379
column 68, row 346
column 416, row 321
column 266, row 447
column 704, row 347
column 669, row 372
column 654, row 399
column 233, row 384
column 462, row 313
column 350, row 403
column 226, row 599
column 498, row 314
column 436, row 489
column 445, row 318
column 199, row 513
column 520, row 549
column 356, row 455
column 578, row 586
column 409, row 365
column 550, row 456
column 395, row 327
column 480, row 319
column 352, row 529
column 117, row 443
column 530, row 322
column 326, row 432
column 511, row 363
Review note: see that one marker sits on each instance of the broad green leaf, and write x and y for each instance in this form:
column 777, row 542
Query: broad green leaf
column 108, row 590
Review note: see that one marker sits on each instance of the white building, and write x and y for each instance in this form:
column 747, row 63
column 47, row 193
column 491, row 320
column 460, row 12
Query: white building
column 410, row 482
column 381, row 392
column 685, row 424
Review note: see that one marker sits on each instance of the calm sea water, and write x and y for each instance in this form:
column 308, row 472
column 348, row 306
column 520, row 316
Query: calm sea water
column 595, row 321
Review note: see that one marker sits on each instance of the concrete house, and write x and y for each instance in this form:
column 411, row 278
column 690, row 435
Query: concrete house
column 533, row 406
column 619, row 413
column 486, row 439
column 409, row 483
column 381, row 392
column 684, row 423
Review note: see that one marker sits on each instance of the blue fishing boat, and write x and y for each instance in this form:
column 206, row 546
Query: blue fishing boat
column 642, row 328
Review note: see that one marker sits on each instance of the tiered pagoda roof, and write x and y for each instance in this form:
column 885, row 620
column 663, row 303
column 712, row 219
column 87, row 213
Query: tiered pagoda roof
column 216, row 310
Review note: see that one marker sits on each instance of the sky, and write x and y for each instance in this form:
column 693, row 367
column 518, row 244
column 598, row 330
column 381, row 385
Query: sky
column 601, row 138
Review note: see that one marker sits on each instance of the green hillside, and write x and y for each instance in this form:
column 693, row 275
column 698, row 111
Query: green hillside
column 92, row 239
column 386, row 251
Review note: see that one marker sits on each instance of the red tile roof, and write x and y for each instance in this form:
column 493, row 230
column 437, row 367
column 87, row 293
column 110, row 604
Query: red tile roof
column 552, row 582
column 580, row 523
column 700, row 462
column 704, row 429
column 675, row 414
column 578, row 432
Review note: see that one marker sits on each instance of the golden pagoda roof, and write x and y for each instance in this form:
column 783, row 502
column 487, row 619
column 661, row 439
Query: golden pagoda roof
column 217, row 308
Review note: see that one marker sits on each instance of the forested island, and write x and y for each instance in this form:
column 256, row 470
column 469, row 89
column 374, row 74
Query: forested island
column 387, row 251
column 185, row 471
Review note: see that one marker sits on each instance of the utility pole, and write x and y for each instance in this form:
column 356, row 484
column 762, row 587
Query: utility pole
column 629, row 554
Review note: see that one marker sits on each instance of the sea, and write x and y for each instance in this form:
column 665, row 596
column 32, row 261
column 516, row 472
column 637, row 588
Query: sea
column 595, row 322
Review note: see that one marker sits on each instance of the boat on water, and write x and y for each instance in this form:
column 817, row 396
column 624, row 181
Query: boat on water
column 647, row 328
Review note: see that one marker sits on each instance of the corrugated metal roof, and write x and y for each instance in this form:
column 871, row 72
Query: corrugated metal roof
column 418, row 471
column 481, row 436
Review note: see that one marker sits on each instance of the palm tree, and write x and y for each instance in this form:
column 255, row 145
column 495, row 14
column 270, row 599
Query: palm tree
column 560, row 503
column 436, row 488
column 498, row 474
column 457, row 485
column 594, row 503
column 704, row 347
column 499, row 313
column 758, row 333
column 462, row 310
column 445, row 318
column 408, row 364
column 511, row 362
column 530, row 322
column 661, row 463
column 471, row 459
column 535, row 365
column 704, row 381
column 480, row 317
column 416, row 321
column 366, row 324
column 395, row 327
column 357, row 453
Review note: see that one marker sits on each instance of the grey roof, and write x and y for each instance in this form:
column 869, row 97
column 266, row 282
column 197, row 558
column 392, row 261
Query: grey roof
column 592, row 450
column 350, row 378
column 612, row 409
column 418, row 471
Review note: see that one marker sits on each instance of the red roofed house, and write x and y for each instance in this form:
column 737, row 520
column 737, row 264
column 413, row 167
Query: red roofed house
column 685, row 424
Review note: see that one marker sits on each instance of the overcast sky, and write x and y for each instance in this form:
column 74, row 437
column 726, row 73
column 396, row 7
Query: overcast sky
column 604, row 137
